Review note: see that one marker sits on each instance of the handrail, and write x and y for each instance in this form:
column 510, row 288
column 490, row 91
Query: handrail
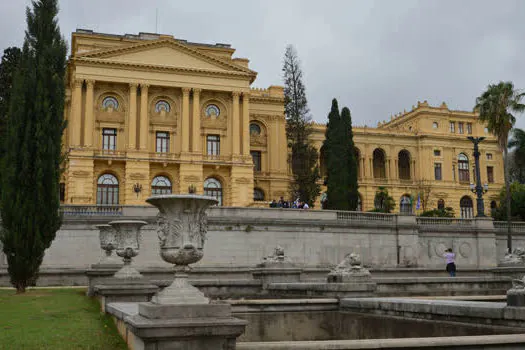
column 360, row 216
column 428, row 221
column 91, row 210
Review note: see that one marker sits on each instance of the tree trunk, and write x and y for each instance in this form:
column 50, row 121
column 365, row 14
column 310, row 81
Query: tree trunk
column 20, row 288
column 507, row 198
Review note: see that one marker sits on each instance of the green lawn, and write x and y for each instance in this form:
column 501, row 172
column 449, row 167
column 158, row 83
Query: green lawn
column 55, row 319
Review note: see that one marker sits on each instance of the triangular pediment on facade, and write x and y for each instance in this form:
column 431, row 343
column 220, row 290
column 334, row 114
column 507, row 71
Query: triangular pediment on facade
column 167, row 53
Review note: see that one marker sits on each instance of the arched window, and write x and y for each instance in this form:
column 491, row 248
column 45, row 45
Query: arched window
column 405, row 205
column 162, row 105
column 107, row 190
column 441, row 204
column 493, row 207
column 212, row 111
column 403, row 163
column 160, row 185
column 379, row 164
column 463, row 168
column 213, row 188
column 255, row 129
column 322, row 162
column 357, row 155
column 110, row 102
column 258, row 194
column 466, row 207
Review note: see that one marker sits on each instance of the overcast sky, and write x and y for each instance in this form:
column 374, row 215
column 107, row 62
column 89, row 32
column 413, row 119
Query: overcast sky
column 376, row 57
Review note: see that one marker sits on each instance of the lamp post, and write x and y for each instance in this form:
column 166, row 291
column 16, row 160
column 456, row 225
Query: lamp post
column 478, row 189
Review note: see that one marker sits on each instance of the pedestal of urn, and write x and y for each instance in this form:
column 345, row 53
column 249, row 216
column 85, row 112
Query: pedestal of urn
column 108, row 244
column 127, row 236
column 182, row 228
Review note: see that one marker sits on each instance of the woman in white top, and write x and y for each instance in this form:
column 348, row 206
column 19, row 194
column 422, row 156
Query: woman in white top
column 450, row 259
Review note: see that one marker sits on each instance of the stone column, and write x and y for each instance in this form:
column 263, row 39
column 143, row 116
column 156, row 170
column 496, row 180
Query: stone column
column 246, row 125
column 362, row 168
column 89, row 126
column 144, row 117
column 413, row 170
column 185, row 122
column 196, row 122
column 132, row 122
column 235, row 124
column 388, row 170
column 76, row 110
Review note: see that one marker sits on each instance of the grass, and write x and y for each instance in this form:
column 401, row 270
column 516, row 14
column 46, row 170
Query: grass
column 55, row 319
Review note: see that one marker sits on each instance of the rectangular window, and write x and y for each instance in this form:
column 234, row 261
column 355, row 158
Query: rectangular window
column 452, row 127
column 460, row 128
column 256, row 156
column 163, row 142
column 490, row 174
column 437, row 153
column 213, row 143
column 437, row 171
column 489, row 156
column 469, row 128
column 109, row 139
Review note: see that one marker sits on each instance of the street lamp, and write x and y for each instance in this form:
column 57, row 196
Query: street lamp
column 478, row 189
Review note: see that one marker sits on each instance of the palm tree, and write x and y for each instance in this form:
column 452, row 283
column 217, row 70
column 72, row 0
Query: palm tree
column 517, row 143
column 496, row 107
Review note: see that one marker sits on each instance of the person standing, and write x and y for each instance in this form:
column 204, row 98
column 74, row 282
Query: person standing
column 450, row 259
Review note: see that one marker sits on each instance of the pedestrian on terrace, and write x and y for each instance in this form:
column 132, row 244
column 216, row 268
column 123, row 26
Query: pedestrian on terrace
column 450, row 259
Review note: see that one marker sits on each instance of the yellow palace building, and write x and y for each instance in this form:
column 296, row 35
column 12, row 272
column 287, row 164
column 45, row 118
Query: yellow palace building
column 152, row 114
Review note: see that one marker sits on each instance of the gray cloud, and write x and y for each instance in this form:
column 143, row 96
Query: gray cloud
column 377, row 57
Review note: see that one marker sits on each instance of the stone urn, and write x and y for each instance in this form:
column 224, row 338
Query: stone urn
column 182, row 228
column 108, row 244
column 127, row 237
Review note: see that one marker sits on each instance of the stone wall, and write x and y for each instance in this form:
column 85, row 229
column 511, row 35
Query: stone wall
column 241, row 237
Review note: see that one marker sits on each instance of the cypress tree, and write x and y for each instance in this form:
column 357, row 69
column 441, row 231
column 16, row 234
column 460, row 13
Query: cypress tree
column 351, row 161
column 32, row 163
column 303, row 157
column 8, row 67
column 336, row 165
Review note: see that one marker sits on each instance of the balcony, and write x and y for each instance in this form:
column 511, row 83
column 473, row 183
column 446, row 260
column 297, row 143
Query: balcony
column 109, row 154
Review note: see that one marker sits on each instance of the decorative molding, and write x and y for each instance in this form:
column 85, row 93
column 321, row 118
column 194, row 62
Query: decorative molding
column 186, row 91
column 236, row 94
column 196, row 91
column 137, row 176
column 243, row 180
column 258, row 140
column 192, row 178
column 82, row 173
column 90, row 83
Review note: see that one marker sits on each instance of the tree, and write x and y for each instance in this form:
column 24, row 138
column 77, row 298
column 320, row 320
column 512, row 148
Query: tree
column 351, row 161
column 517, row 156
column 8, row 67
column 303, row 158
column 496, row 107
column 447, row 212
column 383, row 201
column 30, row 198
column 334, row 149
column 424, row 191
column 517, row 195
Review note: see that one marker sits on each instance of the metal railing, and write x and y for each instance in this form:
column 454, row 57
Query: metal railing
column 360, row 216
column 91, row 210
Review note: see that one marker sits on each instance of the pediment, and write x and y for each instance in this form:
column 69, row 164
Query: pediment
column 167, row 53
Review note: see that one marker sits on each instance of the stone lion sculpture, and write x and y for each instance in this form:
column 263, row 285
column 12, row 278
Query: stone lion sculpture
column 349, row 270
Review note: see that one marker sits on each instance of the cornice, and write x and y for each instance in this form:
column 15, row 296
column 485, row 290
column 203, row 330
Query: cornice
column 166, row 43
column 267, row 99
column 161, row 68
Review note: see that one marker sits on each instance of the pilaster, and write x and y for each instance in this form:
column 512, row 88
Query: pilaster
column 132, row 121
column 185, row 122
column 137, row 175
column 241, row 185
column 235, row 124
column 191, row 174
column 79, row 178
column 246, row 125
column 196, row 123
column 89, row 126
column 76, row 112
column 144, row 117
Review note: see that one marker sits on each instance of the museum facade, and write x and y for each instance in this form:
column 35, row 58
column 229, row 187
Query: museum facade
column 151, row 114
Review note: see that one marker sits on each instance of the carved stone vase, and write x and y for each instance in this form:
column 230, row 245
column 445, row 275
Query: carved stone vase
column 182, row 227
column 127, row 237
column 108, row 244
